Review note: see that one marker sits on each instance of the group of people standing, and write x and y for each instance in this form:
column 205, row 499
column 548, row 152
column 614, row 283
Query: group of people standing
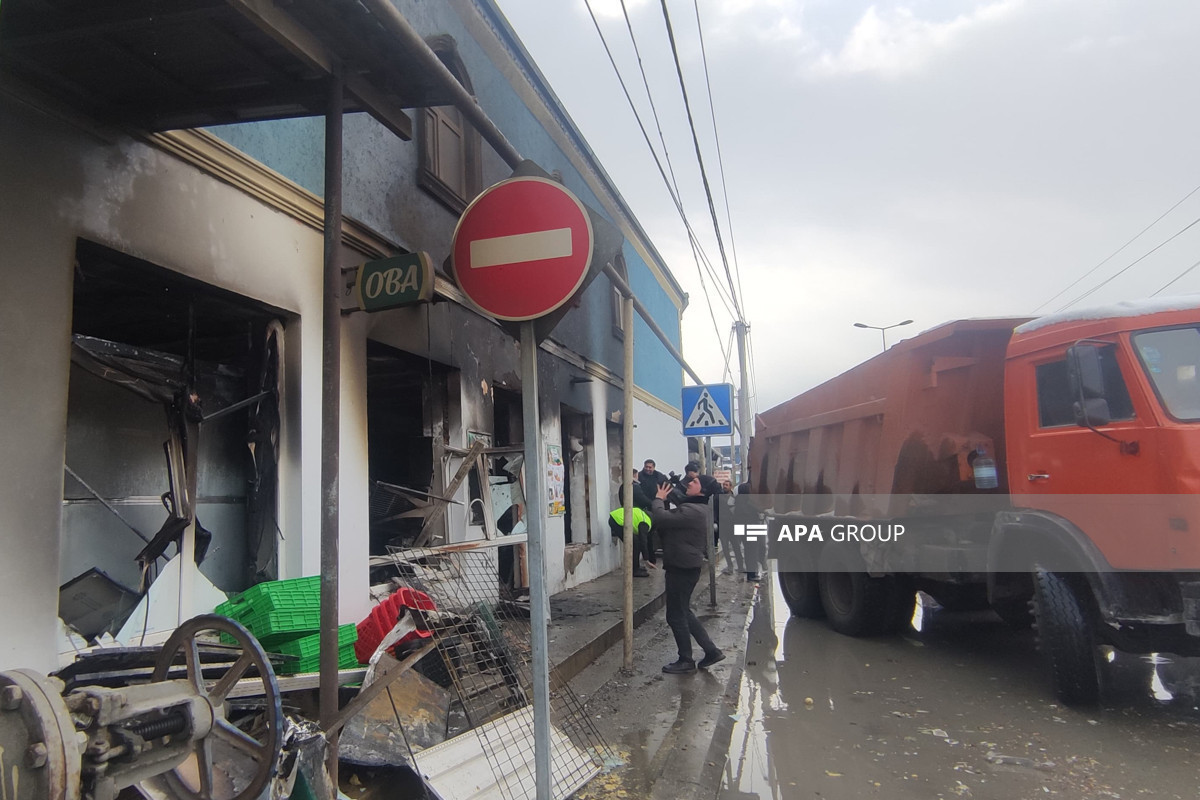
column 669, row 513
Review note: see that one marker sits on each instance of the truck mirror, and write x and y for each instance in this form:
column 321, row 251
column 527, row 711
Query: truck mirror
column 1092, row 412
column 1085, row 372
column 1086, row 377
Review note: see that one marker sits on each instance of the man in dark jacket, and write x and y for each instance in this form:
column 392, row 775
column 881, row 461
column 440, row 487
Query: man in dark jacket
column 683, row 531
column 650, row 478
column 709, row 487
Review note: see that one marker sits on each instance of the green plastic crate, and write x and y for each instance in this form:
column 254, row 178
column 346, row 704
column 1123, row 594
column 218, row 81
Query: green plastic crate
column 308, row 650
column 277, row 611
column 295, row 594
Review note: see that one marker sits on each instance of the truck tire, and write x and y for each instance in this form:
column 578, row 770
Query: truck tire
column 1067, row 639
column 855, row 603
column 802, row 593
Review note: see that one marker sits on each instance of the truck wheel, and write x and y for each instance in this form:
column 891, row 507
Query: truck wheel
column 855, row 603
column 1066, row 639
column 802, row 592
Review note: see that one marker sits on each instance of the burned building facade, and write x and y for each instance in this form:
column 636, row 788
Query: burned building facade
column 161, row 299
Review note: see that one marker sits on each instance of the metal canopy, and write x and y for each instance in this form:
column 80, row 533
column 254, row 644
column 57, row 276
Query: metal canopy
column 158, row 65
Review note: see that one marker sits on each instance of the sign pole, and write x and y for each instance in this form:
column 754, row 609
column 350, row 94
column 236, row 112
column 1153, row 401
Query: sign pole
column 539, row 601
column 521, row 250
column 706, row 445
column 629, row 557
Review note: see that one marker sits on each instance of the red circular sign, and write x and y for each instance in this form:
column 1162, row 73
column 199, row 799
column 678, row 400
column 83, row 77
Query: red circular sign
column 522, row 248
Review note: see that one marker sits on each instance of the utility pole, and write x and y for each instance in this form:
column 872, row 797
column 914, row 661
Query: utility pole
column 740, row 327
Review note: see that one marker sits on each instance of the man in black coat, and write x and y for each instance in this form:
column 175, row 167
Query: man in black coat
column 650, row 478
column 709, row 487
column 683, row 531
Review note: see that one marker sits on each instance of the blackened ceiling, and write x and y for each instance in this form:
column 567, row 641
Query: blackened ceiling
column 157, row 65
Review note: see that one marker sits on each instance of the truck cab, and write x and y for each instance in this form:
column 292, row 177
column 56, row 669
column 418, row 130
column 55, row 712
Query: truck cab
column 1128, row 473
column 1103, row 441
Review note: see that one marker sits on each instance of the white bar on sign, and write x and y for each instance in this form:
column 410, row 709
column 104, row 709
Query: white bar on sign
column 520, row 247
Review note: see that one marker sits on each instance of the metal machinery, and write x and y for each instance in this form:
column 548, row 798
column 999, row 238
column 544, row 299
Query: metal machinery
column 178, row 729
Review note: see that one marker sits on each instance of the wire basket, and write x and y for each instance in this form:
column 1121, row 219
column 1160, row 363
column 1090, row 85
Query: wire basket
column 485, row 643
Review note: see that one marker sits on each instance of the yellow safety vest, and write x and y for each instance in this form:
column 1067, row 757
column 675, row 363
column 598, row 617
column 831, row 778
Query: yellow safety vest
column 640, row 517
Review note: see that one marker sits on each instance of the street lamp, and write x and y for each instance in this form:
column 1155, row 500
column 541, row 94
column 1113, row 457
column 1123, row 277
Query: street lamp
column 883, row 329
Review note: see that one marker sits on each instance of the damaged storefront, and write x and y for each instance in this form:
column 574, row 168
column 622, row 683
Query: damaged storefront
column 172, row 441
column 165, row 291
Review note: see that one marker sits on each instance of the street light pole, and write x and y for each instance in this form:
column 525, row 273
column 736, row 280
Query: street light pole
column 883, row 329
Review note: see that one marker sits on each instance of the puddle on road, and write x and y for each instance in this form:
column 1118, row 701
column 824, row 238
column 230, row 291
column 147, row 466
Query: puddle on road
column 957, row 707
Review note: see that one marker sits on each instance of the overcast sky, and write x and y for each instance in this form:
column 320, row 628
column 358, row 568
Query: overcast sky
column 930, row 160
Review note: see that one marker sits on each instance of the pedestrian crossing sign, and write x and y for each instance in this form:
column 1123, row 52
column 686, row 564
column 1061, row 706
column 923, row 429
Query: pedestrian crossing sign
column 708, row 410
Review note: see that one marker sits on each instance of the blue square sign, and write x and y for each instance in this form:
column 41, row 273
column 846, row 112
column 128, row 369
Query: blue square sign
column 708, row 410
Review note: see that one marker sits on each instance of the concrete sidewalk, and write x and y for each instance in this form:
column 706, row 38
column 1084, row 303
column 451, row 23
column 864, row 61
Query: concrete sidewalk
column 670, row 731
column 586, row 620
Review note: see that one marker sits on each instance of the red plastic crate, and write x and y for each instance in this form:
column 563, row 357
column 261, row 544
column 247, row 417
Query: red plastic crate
column 383, row 618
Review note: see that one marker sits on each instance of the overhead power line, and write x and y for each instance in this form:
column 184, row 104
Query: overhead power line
column 1176, row 279
column 720, row 160
column 674, row 183
column 700, row 160
column 1115, row 252
column 658, row 163
column 650, row 97
column 1109, row 280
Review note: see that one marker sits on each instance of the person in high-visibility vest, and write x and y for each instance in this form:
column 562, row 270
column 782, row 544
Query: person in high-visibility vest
column 641, row 537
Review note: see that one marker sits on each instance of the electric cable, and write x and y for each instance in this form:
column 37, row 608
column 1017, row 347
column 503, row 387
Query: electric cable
column 753, row 371
column 726, row 352
column 700, row 158
column 674, row 183
column 712, row 112
column 1115, row 252
column 650, row 97
column 658, row 163
column 1122, row 271
column 1175, row 279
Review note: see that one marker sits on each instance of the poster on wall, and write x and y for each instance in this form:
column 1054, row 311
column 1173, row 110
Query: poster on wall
column 555, row 481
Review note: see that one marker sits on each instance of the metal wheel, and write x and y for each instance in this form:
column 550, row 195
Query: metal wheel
column 239, row 752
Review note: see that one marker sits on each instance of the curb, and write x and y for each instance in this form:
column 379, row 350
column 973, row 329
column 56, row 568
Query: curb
column 582, row 658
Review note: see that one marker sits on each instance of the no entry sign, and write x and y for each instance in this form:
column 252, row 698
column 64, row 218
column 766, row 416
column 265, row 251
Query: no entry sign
column 522, row 248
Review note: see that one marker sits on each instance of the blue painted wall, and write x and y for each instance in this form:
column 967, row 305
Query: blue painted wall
column 380, row 189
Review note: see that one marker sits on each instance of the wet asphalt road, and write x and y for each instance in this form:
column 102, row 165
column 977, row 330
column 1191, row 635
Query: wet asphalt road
column 959, row 708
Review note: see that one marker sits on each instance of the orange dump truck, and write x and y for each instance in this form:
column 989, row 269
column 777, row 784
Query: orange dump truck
column 1049, row 468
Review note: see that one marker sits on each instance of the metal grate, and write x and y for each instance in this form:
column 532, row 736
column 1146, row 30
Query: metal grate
column 485, row 644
